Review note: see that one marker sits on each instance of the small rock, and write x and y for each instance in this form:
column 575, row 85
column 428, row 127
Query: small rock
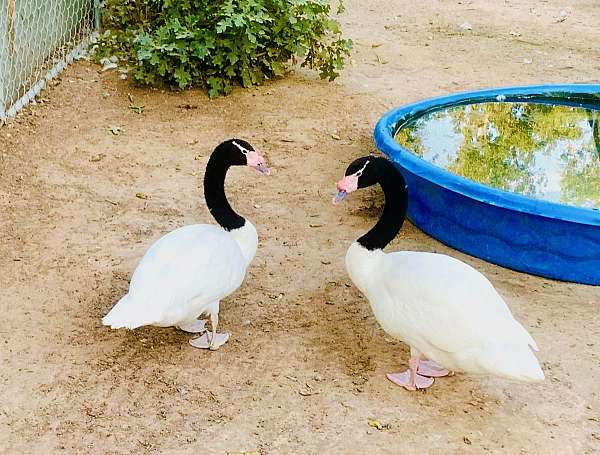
column 466, row 26
column 307, row 392
column 97, row 157
column 562, row 16
column 188, row 106
column 375, row 424
column 108, row 64
column 115, row 129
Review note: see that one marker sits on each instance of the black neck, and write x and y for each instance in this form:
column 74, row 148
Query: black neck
column 394, row 210
column 214, row 194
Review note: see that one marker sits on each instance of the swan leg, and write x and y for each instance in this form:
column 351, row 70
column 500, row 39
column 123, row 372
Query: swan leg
column 211, row 340
column 194, row 326
column 432, row 369
column 411, row 379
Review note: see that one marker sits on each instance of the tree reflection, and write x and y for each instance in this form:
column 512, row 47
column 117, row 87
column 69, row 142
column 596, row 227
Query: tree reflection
column 545, row 151
column 581, row 178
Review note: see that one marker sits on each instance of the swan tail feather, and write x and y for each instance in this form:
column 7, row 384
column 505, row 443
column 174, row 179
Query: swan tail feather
column 514, row 362
column 122, row 315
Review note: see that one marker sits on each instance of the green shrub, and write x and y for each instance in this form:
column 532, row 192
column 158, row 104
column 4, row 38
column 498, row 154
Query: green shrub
column 217, row 44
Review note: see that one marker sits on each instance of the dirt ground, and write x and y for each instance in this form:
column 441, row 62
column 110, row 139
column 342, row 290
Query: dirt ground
column 304, row 370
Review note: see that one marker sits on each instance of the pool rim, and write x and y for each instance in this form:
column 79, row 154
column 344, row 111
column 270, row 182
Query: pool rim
column 387, row 126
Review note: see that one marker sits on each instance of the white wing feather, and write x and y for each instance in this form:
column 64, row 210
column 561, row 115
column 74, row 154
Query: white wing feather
column 180, row 274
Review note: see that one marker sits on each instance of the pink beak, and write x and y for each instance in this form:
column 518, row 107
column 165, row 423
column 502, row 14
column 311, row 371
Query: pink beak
column 255, row 161
column 345, row 186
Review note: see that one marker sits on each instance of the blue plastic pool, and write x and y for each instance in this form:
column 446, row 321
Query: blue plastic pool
column 531, row 233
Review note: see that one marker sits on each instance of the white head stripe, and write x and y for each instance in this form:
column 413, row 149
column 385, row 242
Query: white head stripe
column 242, row 149
column 360, row 171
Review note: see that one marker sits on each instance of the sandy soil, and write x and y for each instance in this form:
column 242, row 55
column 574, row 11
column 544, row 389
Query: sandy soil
column 304, row 370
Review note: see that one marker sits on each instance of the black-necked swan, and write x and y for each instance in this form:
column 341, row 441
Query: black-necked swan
column 185, row 273
column 446, row 311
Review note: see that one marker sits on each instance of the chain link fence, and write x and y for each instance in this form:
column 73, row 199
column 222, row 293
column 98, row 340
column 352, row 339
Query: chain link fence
column 38, row 39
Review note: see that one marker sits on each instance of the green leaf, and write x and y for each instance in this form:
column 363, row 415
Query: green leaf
column 278, row 69
column 215, row 86
column 182, row 77
column 199, row 50
column 246, row 78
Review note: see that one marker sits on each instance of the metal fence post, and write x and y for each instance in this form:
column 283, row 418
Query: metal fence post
column 97, row 15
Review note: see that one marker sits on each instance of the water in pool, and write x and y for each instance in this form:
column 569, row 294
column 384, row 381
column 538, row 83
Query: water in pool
column 539, row 150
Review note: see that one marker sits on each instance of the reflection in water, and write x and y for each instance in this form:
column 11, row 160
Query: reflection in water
column 543, row 151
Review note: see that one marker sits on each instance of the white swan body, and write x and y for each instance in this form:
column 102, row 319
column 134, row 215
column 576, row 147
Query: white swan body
column 184, row 274
column 188, row 271
column 444, row 309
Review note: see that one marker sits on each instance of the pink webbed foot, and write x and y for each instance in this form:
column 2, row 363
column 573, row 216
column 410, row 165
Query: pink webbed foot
column 403, row 380
column 204, row 341
column 432, row 369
